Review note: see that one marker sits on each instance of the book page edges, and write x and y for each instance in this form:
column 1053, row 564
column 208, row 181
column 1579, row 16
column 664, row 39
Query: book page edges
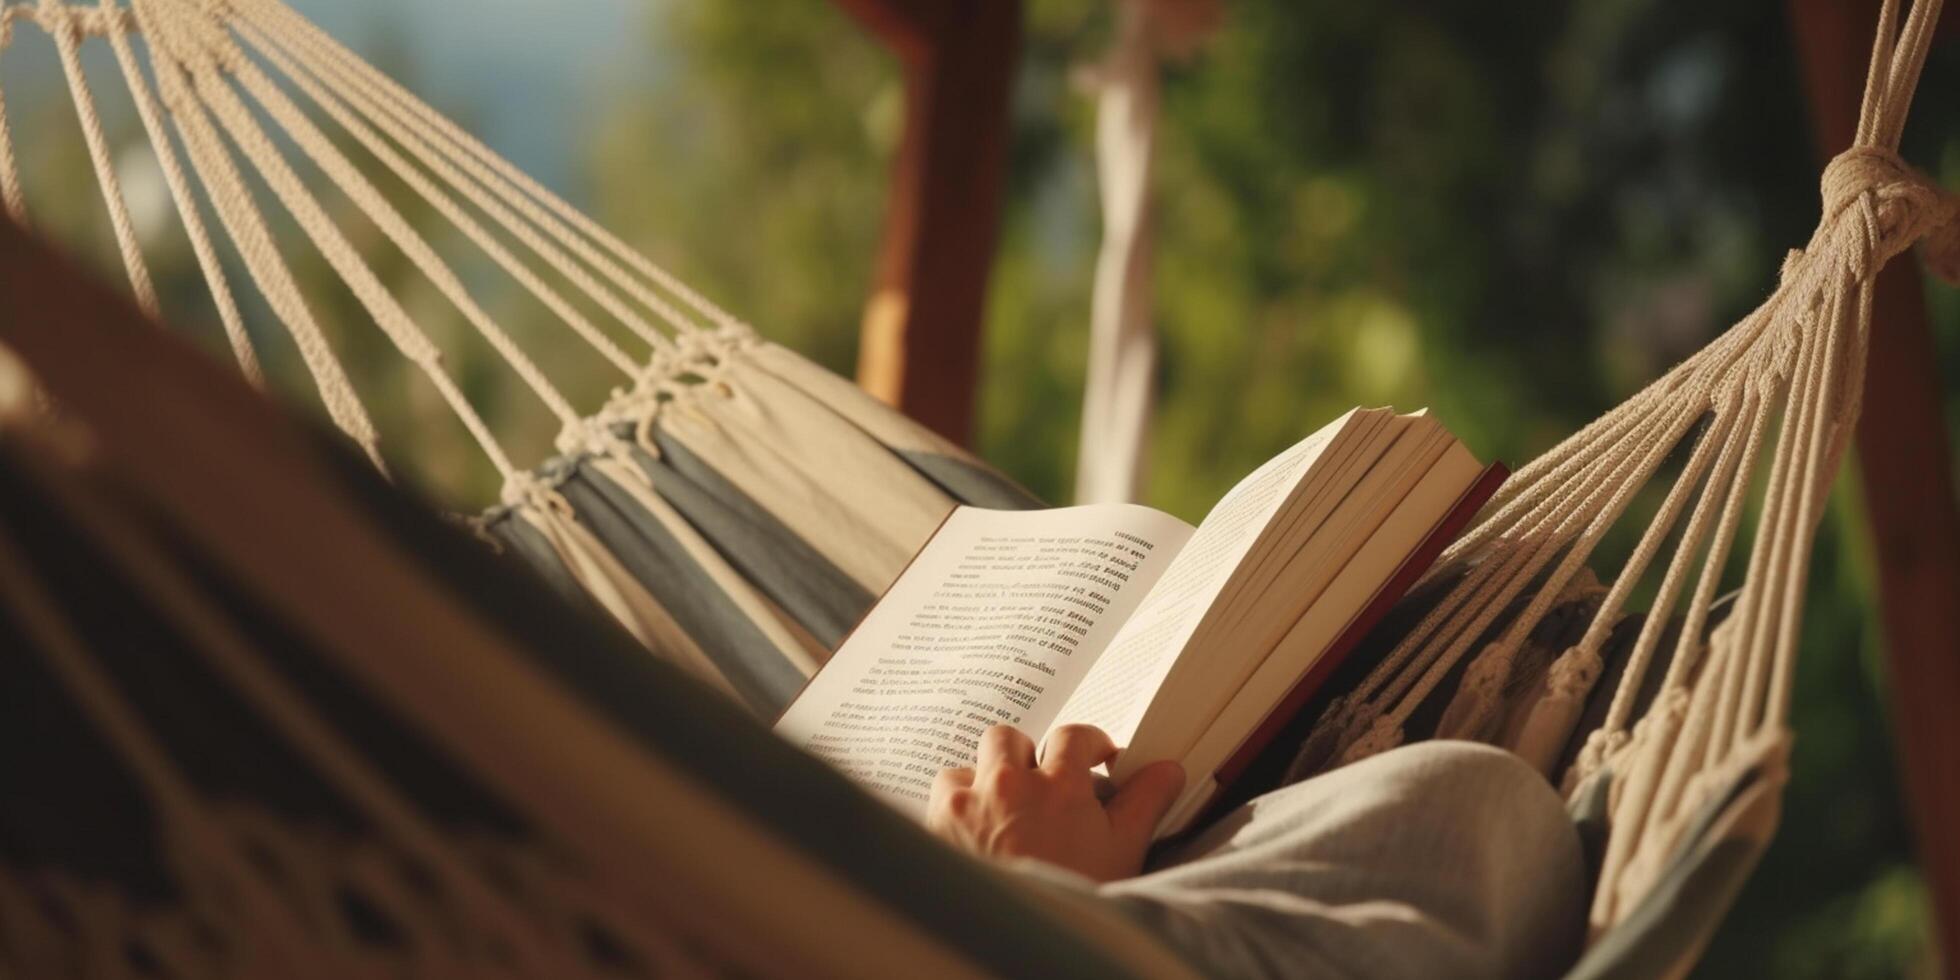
column 1404, row 578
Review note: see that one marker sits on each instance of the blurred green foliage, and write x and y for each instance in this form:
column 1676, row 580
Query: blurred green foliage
column 1514, row 214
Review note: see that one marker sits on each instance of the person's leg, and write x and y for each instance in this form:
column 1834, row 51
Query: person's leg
column 1443, row 859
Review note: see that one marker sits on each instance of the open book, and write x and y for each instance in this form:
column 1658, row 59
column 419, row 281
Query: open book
column 1183, row 643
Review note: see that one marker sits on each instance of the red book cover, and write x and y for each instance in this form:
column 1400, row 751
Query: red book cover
column 1405, row 577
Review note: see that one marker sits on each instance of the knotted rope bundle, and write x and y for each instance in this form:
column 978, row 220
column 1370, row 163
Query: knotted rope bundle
column 1890, row 207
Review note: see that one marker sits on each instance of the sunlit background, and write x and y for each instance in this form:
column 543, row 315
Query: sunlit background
column 1514, row 214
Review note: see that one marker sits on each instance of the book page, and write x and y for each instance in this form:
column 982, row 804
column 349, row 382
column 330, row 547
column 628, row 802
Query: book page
column 995, row 622
column 1118, row 689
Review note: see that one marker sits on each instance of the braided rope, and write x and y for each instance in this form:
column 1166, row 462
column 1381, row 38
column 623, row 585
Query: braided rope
column 11, row 197
column 215, row 280
column 220, row 100
column 224, row 187
column 516, row 187
column 59, row 20
column 1794, row 368
column 303, row 62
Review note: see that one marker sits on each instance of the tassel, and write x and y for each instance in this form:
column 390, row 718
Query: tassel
column 1472, row 709
column 1557, row 710
column 1592, row 758
column 1322, row 743
column 1384, row 734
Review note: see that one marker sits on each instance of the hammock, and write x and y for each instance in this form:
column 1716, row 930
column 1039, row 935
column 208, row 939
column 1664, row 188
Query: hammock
column 245, row 761
column 726, row 504
column 736, row 507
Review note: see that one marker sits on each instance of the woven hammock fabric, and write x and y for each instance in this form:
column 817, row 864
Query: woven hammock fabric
column 735, row 506
column 266, row 716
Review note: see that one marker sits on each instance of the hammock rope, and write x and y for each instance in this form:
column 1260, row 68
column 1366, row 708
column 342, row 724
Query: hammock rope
column 480, row 185
column 60, row 24
column 517, row 188
column 1794, row 367
column 11, row 196
column 723, row 460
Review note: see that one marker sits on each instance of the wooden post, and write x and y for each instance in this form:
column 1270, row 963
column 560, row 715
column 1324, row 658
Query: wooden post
column 920, row 346
column 1909, row 494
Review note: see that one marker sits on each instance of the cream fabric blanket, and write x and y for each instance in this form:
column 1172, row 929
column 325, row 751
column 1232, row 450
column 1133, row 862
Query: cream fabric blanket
column 1441, row 859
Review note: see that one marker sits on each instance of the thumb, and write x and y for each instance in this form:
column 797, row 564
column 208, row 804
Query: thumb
column 1137, row 807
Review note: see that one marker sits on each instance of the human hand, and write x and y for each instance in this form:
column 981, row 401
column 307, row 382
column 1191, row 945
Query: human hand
column 1008, row 806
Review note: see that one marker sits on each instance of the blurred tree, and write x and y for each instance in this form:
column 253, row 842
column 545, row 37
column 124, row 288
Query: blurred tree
column 765, row 132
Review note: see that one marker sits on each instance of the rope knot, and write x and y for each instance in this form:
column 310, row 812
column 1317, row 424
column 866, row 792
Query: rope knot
column 1491, row 668
column 520, row 488
column 698, row 348
column 1575, row 672
column 1383, row 734
column 1860, row 170
column 1891, row 206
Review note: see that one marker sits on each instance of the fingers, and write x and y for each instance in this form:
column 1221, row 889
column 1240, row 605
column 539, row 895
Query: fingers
column 948, row 801
column 1005, row 745
column 1140, row 803
column 949, row 780
column 1072, row 748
